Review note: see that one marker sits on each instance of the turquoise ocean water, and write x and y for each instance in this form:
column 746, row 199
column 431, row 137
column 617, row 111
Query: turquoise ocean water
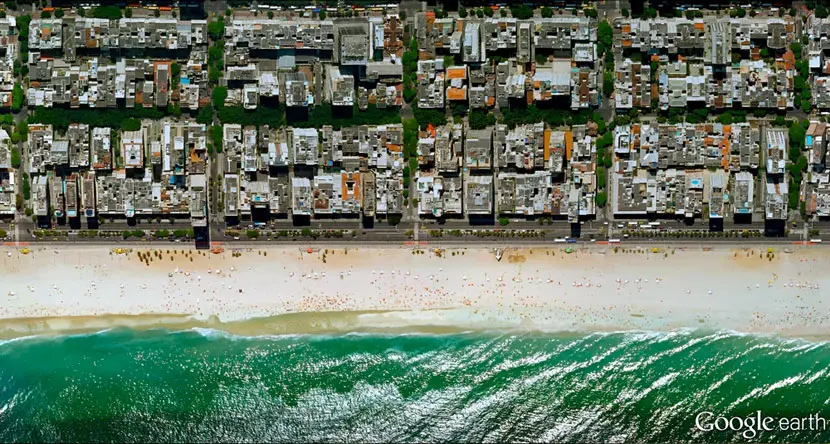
column 205, row 385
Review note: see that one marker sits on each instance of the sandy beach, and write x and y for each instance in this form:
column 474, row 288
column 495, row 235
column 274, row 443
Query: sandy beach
column 287, row 289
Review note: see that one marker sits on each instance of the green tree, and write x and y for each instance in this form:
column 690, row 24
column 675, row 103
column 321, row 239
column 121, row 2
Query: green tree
column 503, row 221
column 220, row 93
column 59, row 13
column 17, row 97
column 216, row 136
column 591, row 12
column 128, row 12
column 425, row 116
column 45, row 15
column 479, row 13
column 205, row 115
column 503, row 12
column 546, row 12
column 602, row 199
column 605, row 36
column 270, row 15
column 107, row 12
column 323, row 14
column 462, row 12
column 81, row 12
column 806, row 105
column 607, row 84
column 15, row 157
column 488, row 11
column 796, row 47
column 27, row 191
column 216, row 29
column 480, row 119
column 130, row 124
column 521, row 12
column 780, row 121
column 601, row 177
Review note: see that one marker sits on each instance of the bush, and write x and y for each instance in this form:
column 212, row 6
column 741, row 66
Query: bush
column 252, row 234
column 3, row 233
column 503, row 221
column 161, row 234
column 181, row 233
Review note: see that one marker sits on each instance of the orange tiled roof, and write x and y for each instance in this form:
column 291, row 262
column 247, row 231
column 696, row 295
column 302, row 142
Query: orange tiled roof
column 456, row 94
column 457, row 72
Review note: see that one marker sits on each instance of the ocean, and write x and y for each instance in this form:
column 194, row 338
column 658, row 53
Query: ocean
column 203, row 385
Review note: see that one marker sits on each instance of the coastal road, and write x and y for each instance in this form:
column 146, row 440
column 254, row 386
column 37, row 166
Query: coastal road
column 455, row 242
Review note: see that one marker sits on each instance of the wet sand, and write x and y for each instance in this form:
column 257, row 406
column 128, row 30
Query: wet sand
column 280, row 290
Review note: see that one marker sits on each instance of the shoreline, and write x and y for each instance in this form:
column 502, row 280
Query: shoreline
column 407, row 289
column 323, row 324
